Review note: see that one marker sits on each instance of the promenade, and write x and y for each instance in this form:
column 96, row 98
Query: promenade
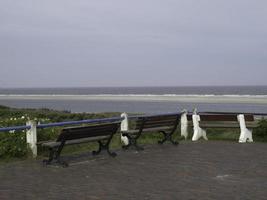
column 201, row 170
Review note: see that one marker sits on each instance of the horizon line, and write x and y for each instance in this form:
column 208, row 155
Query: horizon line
column 145, row 86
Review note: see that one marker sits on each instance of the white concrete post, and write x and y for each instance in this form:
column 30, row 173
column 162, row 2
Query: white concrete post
column 245, row 134
column 184, row 124
column 31, row 137
column 198, row 132
column 124, row 127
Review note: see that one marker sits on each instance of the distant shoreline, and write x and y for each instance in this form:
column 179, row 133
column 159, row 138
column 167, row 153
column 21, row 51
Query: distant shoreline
column 251, row 99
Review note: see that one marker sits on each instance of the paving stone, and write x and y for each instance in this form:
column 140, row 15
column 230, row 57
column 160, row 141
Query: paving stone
column 199, row 170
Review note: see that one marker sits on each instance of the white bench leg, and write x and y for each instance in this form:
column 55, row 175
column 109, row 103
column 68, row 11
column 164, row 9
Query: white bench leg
column 245, row 134
column 184, row 125
column 198, row 132
column 124, row 127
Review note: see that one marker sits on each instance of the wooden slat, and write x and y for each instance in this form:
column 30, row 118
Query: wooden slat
column 225, row 124
column 94, row 127
column 77, row 141
column 189, row 117
column 73, row 135
column 218, row 117
column 252, row 124
column 154, row 125
column 158, row 125
column 219, row 125
column 209, row 117
column 87, row 131
column 157, row 121
column 152, row 118
column 156, row 129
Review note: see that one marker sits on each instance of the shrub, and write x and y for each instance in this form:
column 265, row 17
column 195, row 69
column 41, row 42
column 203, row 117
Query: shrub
column 13, row 144
column 260, row 133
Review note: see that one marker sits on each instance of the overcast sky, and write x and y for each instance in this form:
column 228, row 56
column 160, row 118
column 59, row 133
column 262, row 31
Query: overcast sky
column 55, row 43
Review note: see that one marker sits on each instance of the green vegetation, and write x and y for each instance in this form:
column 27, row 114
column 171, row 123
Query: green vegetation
column 13, row 143
column 260, row 133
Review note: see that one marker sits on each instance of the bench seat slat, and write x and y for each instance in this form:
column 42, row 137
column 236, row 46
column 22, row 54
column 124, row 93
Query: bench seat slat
column 225, row 124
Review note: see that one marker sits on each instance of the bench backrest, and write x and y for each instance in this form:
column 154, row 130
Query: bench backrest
column 157, row 121
column 222, row 121
column 220, row 117
column 106, row 129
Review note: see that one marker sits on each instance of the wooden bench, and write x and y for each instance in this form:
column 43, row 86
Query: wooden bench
column 102, row 133
column 165, row 124
column 222, row 121
column 233, row 120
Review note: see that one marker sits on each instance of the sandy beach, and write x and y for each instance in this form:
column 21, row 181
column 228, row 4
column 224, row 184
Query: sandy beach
column 257, row 99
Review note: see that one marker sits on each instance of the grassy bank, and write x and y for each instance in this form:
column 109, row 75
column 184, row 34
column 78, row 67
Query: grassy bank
column 13, row 144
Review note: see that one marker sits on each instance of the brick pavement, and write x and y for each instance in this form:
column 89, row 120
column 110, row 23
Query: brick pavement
column 202, row 170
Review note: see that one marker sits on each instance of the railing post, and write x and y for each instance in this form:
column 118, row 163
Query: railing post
column 124, row 127
column 184, row 124
column 245, row 134
column 31, row 137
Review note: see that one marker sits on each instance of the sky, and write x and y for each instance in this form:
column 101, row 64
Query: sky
column 92, row 43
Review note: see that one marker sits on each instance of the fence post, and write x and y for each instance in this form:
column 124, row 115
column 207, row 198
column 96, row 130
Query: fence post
column 31, row 137
column 124, row 127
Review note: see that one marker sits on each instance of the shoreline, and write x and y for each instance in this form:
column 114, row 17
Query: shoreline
column 248, row 99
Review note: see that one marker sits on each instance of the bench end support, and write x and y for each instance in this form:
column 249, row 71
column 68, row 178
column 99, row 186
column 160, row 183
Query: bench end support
column 198, row 132
column 245, row 134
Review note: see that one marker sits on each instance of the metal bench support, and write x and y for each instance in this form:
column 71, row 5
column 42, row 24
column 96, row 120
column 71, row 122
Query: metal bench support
column 167, row 137
column 132, row 142
column 105, row 147
column 54, row 155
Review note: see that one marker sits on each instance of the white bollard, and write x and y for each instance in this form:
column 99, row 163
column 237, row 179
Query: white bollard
column 198, row 132
column 31, row 137
column 124, row 127
column 245, row 134
column 184, row 125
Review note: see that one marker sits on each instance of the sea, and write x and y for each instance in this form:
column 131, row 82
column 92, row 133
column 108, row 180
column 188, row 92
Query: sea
column 136, row 105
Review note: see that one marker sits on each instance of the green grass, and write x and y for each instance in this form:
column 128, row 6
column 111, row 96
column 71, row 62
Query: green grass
column 223, row 134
